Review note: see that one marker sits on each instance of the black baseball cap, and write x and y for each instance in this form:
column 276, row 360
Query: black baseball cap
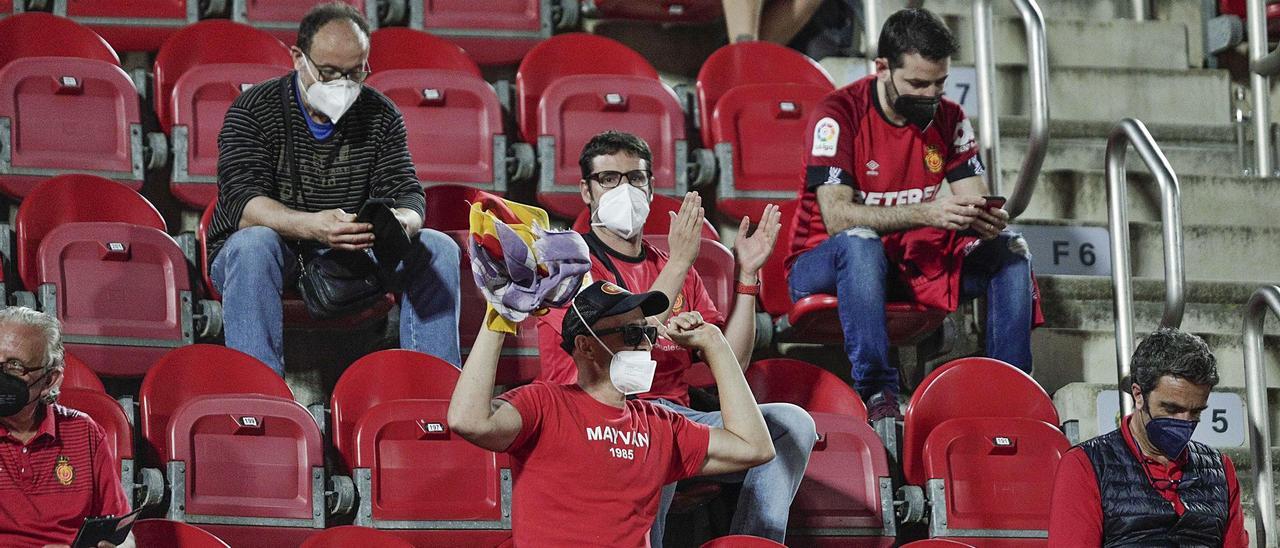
column 601, row 300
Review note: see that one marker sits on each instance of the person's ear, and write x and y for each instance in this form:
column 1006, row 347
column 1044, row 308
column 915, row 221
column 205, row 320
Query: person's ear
column 1138, row 398
column 584, row 189
column 882, row 69
column 53, row 383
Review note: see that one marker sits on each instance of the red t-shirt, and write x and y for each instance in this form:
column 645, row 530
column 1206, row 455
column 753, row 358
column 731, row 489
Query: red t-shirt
column 59, row 477
column 1075, row 516
column 590, row 474
column 638, row 274
column 852, row 143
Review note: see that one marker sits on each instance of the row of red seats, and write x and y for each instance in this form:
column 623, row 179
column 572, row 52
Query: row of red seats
column 246, row 461
column 753, row 101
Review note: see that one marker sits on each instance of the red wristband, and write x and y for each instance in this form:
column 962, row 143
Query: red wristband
column 743, row 289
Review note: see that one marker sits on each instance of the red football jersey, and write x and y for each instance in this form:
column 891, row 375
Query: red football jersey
column 853, row 143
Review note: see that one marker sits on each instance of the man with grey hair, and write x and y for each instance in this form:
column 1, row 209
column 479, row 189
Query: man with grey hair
column 1147, row 483
column 56, row 468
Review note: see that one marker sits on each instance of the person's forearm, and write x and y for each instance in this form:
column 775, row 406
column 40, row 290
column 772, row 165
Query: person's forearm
column 843, row 216
column 670, row 281
column 288, row 223
column 469, row 408
column 740, row 330
column 738, row 407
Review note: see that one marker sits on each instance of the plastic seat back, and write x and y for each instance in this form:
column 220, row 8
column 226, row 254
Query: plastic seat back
column 741, row 541
column 519, row 360
column 804, row 384
column 37, row 34
column 775, row 295
column 573, row 109
column 197, row 370
column 949, row 393
column 74, row 198
column 496, row 32
column 752, row 63
column 354, row 535
column 75, row 374
column 449, row 207
column 995, row 475
column 105, row 411
column 68, row 114
column 266, row 462
column 280, row 17
column 845, row 487
column 454, row 125
column 382, row 376
column 715, row 265
column 566, row 55
column 394, row 48
column 198, row 104
column 210, row 42
column 659, row 221
column 131, row 25
column 675, row 11
column 173, row 534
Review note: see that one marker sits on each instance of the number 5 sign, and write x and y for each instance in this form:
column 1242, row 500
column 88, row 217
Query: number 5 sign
column 1221, row 425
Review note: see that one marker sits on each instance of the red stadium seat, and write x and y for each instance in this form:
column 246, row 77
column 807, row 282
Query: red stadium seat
column 281, row 17
column 173, row 534
column 659, row 221
column 948, row 393
column 937, row 543
column 395, row 48
column 108, row 413
column 716, row 266
column 197, row 370
column 36, row 34
column 383, row 376
column 519, row 361
column 741, row 541
column 131, row 25
column 493, row 32
column 804, row 384
column 845, row 498
column 675, row 11
column 449, row 206
column 354, row 535
column 1237, row 8
column 752, row 63
column 60, row 114
column 991, row 477
column 775, row 296
column 75, row 374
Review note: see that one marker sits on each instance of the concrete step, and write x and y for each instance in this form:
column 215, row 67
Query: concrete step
column 1117, row 43
column 1085, row 302
column 1082, row 144
column 1212, row 252
column 1206, row 200
column 1077, row 401
column 1064, row 356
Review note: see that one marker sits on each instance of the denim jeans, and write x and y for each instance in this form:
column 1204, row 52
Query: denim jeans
column 852, row 266
column 764, row 503
column 254, row 265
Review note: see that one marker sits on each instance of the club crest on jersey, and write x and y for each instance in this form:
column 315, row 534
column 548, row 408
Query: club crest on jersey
column 63, row 471
column 826, row 134
column 678, row 306
column 933, row 159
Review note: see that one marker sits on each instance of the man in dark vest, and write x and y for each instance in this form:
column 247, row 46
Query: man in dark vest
column 1147, row 483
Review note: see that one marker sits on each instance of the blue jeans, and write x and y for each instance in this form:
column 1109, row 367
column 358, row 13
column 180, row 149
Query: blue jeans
column 764, row 503
column 255, row 263
column 852, row 266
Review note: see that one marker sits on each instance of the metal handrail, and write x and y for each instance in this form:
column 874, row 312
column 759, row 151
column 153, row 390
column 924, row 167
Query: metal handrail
column 988, row 118
column 1141, row 10
column 1255, row 313
column 1262, row 66
column 1132, row 131
column 871, row 34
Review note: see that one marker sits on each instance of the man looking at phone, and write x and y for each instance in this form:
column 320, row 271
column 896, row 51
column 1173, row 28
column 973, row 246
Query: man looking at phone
column 872, row 226
column 56, row 466
column 297, row 158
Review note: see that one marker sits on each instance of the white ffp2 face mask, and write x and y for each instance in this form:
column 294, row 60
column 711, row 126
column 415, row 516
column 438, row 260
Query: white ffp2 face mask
column 331, row 98
column 630, row 371
column 623, row 210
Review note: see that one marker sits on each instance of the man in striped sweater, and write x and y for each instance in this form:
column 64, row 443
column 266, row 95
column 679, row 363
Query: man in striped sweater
column 297, row 156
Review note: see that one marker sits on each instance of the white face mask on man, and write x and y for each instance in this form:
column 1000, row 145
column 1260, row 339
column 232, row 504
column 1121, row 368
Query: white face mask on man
column 630, row 371
column 331, row 98
column 623, row 210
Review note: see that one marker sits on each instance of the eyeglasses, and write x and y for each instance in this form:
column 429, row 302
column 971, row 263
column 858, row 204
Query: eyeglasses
column 632, row 335
column 17, row 369
column 329, row 74
column 638, row 178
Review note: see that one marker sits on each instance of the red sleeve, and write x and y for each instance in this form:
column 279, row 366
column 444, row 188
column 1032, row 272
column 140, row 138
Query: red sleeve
column 531, row 401
column 699, row 300
column 1237, row 536
column 1075, row 514
column 557, row 366
column 828, row 143
column 962, row 161
column 110, row 497
column 690, row 441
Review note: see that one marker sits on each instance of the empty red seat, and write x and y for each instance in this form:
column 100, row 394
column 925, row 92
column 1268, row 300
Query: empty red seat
column 937, row 543
column 75, row 374
column 804, row 384
column 497, row 32
column 519, row 360
column 383, row 376
column 38, row 34
column 749, row 63
column 132, row 25
column 108, row 413
column 845, row 496
column 281, row 17
column 659, row 221
column 741, row 541
column 677, row 11
column 452, row 116
column 1237, row 8
column 354, row 535
column 173, row 534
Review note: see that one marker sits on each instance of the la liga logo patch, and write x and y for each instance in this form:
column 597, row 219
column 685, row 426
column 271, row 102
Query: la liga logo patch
column 826, row 134
column 64, row 471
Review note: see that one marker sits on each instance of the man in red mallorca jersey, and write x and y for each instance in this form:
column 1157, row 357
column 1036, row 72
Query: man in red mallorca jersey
column 872, row 224
column 589, row 463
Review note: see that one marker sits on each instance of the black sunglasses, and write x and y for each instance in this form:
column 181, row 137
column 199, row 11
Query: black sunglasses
column 632, row 335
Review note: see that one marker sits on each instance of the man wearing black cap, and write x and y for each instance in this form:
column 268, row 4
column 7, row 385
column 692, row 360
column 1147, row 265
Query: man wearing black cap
column 589, row 463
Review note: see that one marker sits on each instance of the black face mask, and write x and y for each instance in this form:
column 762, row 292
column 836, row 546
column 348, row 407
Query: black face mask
column 15, row 394
column 917, row 109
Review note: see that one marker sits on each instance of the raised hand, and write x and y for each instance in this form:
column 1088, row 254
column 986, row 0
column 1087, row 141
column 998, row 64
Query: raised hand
column 752, row 251
column 685, row 237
